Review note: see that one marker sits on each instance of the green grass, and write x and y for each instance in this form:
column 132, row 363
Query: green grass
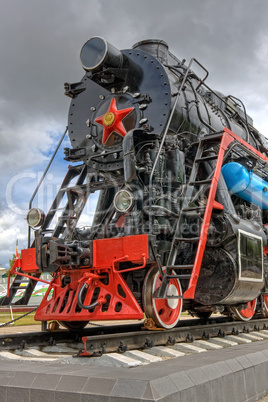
column 28, row 320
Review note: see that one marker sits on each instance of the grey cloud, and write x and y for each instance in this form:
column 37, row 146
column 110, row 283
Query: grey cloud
column 42, row 41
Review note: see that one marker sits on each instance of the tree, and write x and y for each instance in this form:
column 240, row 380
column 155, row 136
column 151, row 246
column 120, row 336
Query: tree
column 11, row 262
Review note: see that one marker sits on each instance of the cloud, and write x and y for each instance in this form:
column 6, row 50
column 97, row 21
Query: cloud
column 43, row 40
column 27, row 144
column 11, row 229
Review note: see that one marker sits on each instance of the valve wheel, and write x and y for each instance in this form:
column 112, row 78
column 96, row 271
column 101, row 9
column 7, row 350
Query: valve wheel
column 164, row 312
column 247, row 313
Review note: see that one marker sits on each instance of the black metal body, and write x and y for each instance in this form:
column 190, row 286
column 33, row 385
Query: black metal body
column 169, row 110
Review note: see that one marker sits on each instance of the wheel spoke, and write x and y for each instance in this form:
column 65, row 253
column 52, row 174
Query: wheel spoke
column 265, row 306
column 164, row 312
column 247, row 313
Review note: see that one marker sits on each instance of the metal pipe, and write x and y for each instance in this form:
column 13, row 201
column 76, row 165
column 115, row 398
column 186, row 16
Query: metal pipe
column 163, row 140
column 79, row 299
column 156, row 160
column 161, row 146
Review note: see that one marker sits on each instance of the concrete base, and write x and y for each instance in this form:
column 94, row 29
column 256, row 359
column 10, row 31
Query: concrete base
column 234, row 374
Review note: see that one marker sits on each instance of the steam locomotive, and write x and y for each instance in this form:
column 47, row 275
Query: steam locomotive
column 180, row 176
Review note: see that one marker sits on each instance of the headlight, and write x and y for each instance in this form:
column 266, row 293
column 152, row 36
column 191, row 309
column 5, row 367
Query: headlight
column 123, row 201
column 35, row 217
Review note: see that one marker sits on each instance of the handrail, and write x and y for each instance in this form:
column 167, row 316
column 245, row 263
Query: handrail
column 41, row 180
column 125, row 258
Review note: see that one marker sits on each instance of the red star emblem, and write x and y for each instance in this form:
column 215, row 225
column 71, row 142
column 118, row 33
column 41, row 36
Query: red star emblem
column 112, row 121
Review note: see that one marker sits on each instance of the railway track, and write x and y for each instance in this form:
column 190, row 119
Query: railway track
column 128, row 344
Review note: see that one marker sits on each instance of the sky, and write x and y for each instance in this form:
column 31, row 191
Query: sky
column 39, row 51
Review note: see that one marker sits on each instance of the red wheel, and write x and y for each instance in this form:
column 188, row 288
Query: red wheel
column 265, row 306
column 74, row 325
column 164, row 312
column 247, row 313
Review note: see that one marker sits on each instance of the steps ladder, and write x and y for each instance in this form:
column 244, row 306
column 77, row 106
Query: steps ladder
column 193, row 190
column 19, row 283
column 77, row 196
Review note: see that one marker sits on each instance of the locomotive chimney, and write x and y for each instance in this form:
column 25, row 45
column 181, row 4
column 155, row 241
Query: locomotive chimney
column 155, row 47
column 97, row 53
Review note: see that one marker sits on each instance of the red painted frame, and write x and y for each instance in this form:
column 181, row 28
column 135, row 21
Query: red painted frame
column 227, row 138
column 26, row 264
column 115, row 299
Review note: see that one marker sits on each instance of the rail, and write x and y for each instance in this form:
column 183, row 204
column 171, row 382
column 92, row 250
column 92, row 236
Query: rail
column 118, row 338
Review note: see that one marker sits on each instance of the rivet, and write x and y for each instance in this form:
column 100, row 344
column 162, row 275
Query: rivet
column 142, row 121
column 142, row 106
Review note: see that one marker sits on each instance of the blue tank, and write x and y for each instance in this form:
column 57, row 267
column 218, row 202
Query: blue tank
column 246, row 184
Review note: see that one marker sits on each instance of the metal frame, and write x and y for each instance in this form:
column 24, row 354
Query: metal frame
column 225, row 138
column 241, row 278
